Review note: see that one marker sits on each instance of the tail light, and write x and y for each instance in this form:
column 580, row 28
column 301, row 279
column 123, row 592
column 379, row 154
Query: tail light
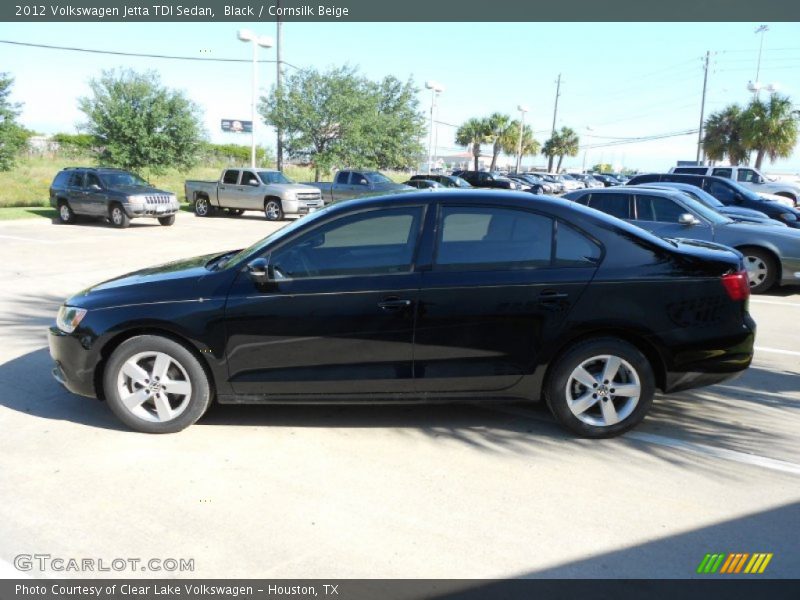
column 737, row 285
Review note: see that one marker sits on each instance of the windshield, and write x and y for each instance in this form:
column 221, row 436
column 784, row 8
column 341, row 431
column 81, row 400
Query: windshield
column 273, row 177
column 706, row 199
column 375, row 177
column 121, row 178
column 704, row 211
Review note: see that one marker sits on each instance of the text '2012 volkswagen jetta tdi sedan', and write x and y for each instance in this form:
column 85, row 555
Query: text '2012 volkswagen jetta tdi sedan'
column 448, row 297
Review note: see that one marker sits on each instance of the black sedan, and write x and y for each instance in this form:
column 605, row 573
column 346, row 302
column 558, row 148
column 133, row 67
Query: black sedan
column 772, row 254
column 453, row 296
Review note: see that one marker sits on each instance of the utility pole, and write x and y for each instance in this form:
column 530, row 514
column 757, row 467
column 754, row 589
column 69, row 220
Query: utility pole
column 762, row 30
column 555, row 113
column 278, row 81
column 702, row 111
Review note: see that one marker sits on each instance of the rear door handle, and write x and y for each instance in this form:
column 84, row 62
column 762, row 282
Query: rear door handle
column 392, row 304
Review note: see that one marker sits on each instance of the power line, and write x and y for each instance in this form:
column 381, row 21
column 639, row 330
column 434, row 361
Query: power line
column 139, row 55
column 646, row 138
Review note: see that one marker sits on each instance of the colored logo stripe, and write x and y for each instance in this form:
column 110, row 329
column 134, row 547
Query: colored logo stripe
column 734, row 562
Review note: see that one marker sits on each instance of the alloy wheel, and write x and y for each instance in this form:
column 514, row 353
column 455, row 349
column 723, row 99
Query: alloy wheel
column 273, row 210
column 154, row 387
column 201, row 207
column 603, row 390
column 116, row 216
column 64, row 212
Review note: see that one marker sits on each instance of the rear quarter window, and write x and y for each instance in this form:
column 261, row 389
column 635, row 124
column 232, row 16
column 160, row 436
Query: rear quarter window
column 574, row 249
column 61, row 179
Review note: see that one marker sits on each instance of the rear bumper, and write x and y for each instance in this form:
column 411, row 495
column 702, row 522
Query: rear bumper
column 713, row 361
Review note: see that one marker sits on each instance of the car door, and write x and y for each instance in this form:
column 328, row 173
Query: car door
column 494, row 295
column 342, row 187
column 75, row 192
column 227, row 188
column 660, row 215
column 94, row 195
column 359, row 184
column 338, row 317
column 248, row 195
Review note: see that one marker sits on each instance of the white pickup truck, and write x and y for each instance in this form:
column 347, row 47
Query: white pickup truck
column 750, row 178
column 239, row 190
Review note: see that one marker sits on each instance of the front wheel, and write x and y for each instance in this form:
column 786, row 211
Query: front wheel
column 273, row 210
column 601, row 388
column 155, row 385
column 762, row 271
column 167, row 221
column 118, row 217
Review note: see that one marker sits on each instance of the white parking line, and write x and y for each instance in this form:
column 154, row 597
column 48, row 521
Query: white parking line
column 651, row 438
column 24, row 239
column 777, row 351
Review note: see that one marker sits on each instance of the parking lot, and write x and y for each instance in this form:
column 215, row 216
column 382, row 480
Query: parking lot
column 459, row 491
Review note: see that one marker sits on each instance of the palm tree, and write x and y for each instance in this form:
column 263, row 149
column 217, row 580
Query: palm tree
column 498, row 125
column 770, row 128
column 564, row 142
column 473, row 132
column 510, row 141
column 723, row 135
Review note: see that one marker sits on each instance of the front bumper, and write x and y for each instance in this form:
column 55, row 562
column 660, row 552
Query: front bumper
column 301, row 207
column 74, row 366
column 790, row 271
column 152, row 210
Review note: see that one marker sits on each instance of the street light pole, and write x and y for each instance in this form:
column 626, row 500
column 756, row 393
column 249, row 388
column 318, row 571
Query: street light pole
column 246, row 35
column 436, row 88
column 762, row 30
column 522, row 110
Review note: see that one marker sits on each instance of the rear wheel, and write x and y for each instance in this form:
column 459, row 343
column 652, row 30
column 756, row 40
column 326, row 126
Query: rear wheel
column 118, row 217
column 156, row 385
column 167, row 221
column 601, row 388
column 65, row 213
column 762, row 269
column 202, row 207
column 273, row 210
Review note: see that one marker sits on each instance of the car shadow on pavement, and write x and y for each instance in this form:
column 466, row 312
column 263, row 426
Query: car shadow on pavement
column 671, row 557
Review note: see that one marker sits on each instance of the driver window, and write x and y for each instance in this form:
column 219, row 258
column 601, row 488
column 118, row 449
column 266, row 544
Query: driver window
column 92, row 179
column 747, row 176
column 656, row 208
column 358, row 179
column 376, row 242
column 249, row 178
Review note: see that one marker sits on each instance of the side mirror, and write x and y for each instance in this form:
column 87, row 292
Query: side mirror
column 259, row 271
column 95, row 188
column 253, row 182
column 688, row 219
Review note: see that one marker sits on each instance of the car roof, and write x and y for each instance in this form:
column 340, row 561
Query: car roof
column 631, row 189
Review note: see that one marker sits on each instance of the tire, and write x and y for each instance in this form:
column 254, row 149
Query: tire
column 762, row 269
column 131, row 373
column 167, row 221
column 118, row 218
column 202, row 207
column 65, row 213
column 598, row 412
column 273, row 210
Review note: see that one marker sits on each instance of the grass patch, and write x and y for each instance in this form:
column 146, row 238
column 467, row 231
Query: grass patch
column 27, row 212
column 28, row 183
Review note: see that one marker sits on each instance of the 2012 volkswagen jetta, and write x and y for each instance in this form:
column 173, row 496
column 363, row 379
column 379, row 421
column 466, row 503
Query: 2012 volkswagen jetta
column 476, row 295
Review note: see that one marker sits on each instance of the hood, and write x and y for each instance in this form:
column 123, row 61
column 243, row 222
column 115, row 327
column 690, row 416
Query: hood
column 186, row 279
column 391, row 186
column 138, row 190
column 299, row 187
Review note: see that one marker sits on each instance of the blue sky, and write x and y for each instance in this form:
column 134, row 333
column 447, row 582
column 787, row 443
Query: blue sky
column 618, row 80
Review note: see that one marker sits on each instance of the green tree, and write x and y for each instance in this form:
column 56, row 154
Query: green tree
column 474, row 132
column 510, row 140
column 499, row 126
column 13, row 136
column 602, row 168
column 770, row 128
column 136, row 123
column 564, row 142
column 723, row 135
column 341, row 117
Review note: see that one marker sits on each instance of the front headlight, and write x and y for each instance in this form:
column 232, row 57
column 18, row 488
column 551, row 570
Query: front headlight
column 69, row 317
column 788, row 216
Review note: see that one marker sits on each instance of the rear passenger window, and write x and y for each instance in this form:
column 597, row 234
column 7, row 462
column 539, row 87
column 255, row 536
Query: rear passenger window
column 76, row 179
column 231, row 177
column 493, row 238
column 574, row 249
column 341, row 177
column 616, row 205
column 657, row 208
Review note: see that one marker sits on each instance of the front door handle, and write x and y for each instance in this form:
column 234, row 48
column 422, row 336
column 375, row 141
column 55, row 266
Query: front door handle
column 393, row 304
column 549, row 296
